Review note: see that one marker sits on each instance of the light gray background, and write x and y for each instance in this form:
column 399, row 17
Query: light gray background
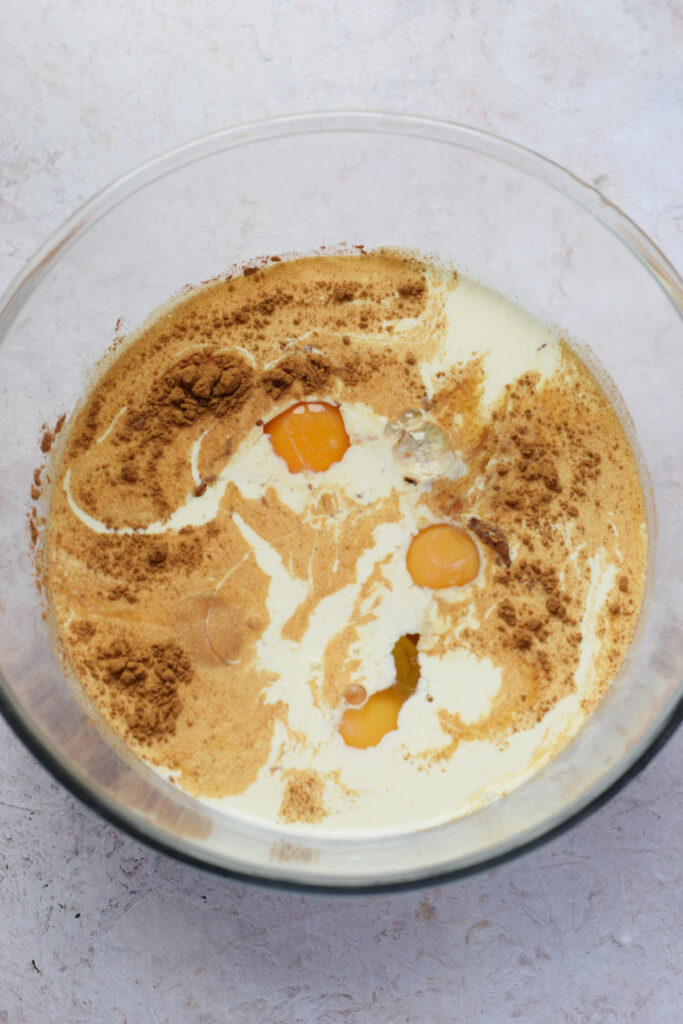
column 93, row 926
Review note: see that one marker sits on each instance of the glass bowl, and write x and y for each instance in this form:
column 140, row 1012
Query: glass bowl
column 501, row 214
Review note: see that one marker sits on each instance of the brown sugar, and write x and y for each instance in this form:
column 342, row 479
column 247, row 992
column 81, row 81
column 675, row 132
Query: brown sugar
column 303, row 797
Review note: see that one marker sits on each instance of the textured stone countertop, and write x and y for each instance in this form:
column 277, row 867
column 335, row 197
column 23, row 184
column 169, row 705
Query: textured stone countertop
column 95, row 927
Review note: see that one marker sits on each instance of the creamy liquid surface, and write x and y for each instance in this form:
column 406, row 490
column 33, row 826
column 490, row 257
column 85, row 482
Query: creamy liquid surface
column 217, row 607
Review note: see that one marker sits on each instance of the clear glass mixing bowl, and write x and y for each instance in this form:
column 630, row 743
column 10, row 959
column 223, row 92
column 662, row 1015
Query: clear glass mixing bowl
column 503, row 215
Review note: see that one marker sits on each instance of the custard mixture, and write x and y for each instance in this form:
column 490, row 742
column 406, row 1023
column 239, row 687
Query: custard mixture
column 346, row 542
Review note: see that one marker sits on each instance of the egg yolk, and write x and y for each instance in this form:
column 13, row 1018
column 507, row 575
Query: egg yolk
column 365, row 726
column 308, row 435
column 442, row 556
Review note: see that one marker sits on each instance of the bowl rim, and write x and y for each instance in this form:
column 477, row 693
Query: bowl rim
column 521, row 157
column 586, row 195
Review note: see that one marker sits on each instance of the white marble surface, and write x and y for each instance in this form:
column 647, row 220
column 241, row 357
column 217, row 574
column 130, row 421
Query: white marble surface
column 93, row 926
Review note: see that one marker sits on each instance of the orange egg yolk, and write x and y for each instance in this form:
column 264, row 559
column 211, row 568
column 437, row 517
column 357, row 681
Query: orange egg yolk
column 308, row 435
column 365, row 726
column 442, row 556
